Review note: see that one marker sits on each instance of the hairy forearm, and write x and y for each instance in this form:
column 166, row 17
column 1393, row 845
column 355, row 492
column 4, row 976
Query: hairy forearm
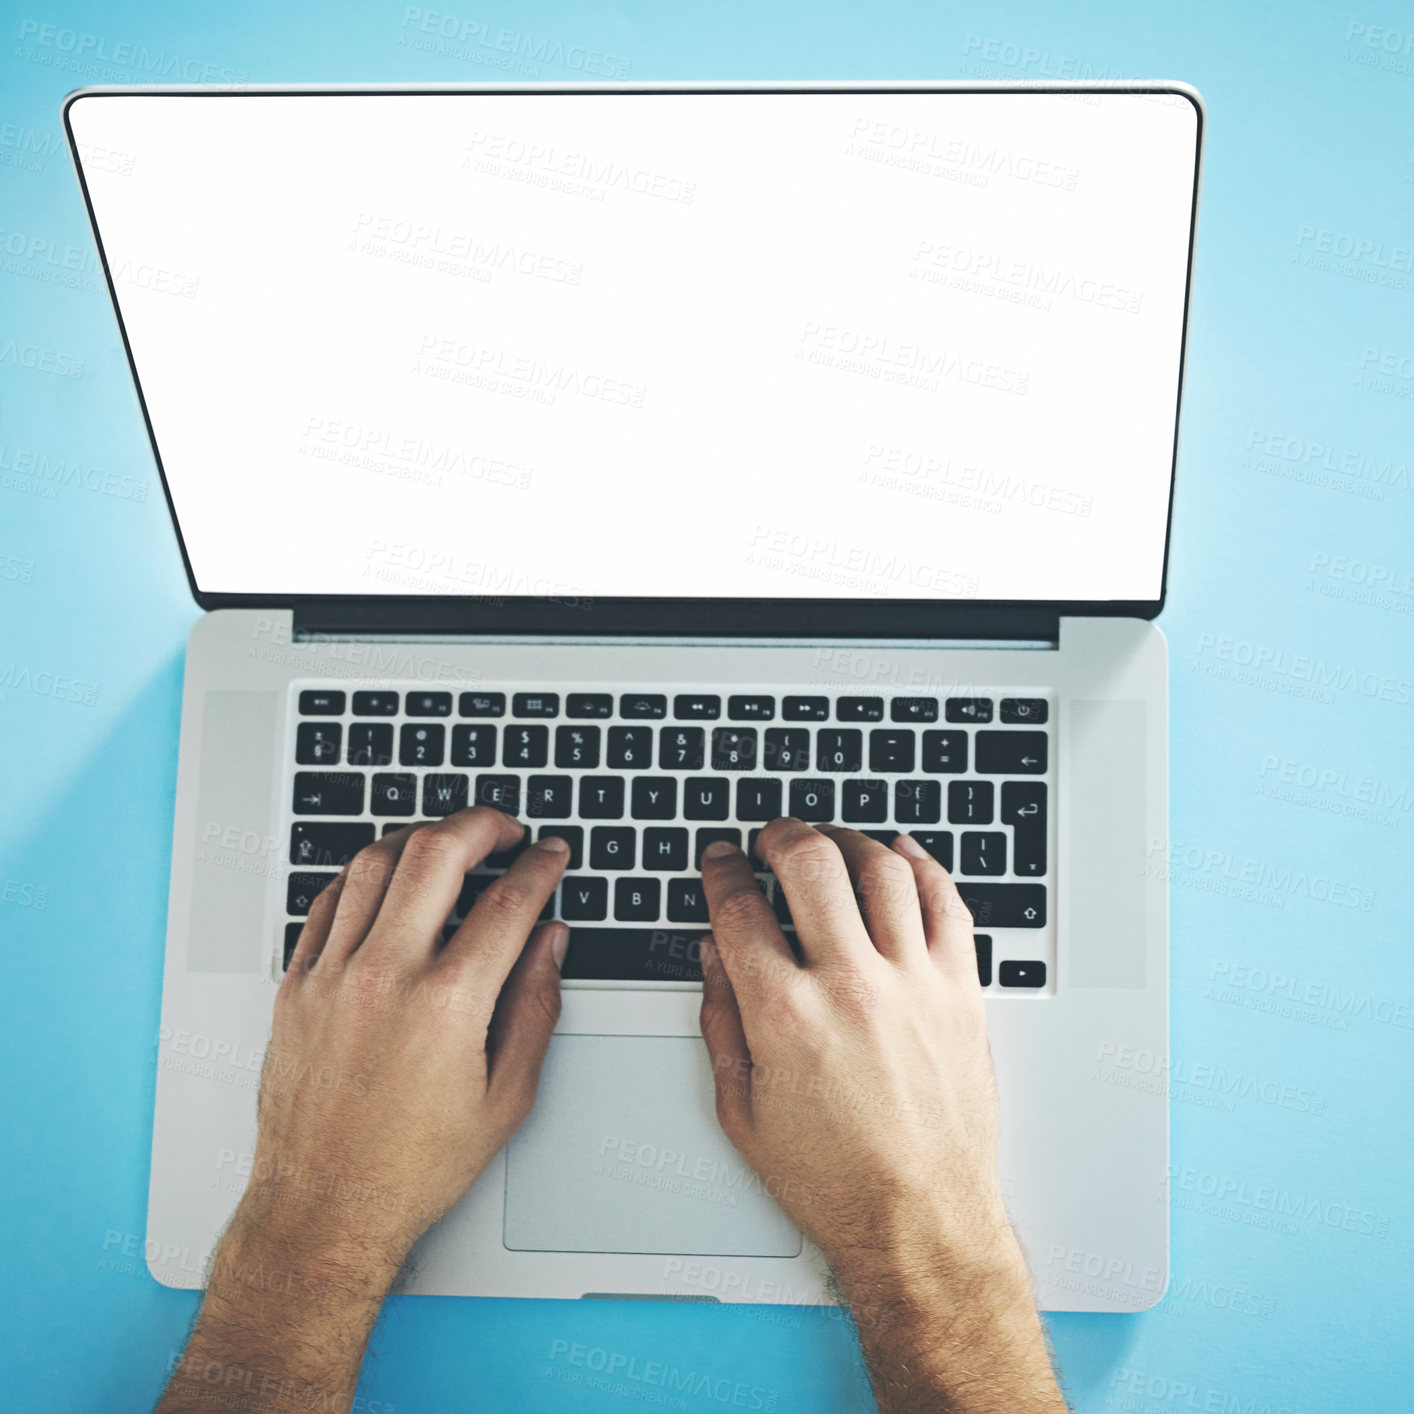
column 284, row 1324
column 948, row 1336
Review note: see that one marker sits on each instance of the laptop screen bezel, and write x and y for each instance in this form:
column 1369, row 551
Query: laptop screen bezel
column 649, row 615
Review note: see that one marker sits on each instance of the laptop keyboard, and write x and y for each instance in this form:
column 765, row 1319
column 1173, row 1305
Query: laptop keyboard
column 639, row 783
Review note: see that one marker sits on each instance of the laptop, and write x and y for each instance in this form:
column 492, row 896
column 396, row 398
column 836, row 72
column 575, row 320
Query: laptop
column 651, row 461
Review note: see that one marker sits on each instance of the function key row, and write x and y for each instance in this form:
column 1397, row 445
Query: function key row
column 758, row 707
column 894, row 750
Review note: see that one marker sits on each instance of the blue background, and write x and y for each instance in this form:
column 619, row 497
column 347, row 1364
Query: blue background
column 1292, row 707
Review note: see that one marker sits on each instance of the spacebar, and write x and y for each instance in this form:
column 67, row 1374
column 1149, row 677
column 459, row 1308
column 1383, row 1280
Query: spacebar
column 664, row 954
column 1004, row 905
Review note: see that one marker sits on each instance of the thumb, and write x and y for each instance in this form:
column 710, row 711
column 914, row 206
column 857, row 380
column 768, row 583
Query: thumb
column 526, row 1013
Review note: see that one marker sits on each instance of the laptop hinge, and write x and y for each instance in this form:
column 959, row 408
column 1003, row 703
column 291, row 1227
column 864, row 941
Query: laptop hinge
column 398, row 616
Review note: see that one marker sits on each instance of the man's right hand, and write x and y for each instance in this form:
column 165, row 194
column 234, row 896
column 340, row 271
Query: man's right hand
column 856, row 1080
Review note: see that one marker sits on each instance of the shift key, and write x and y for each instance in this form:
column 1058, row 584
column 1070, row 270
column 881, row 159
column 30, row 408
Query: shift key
column 1004, row 905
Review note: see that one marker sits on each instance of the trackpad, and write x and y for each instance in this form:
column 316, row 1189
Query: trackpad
column 624, row 1154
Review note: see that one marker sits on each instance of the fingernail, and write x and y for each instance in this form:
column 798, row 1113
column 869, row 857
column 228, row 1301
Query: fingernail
column 553, row 844
column 910, row 846
column 559, row 942
column 709, row 950
column 719, row 849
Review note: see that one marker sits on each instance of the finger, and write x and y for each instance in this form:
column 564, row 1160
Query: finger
column 526, row 1014
column 887, row 892
column 493, row 934
column 435, row 860
column 726, row 1040
column 363, row 884
column 947, row 921
column 315, row 932
column 811, row 870
column 753, row 948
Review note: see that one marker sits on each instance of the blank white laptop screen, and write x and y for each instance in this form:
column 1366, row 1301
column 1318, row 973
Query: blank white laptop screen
column 716, row 345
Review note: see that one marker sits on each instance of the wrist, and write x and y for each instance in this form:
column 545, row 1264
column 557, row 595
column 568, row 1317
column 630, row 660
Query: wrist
column 275, row 1243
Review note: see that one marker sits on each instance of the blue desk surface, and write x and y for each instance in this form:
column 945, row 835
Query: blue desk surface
column 1289, row 621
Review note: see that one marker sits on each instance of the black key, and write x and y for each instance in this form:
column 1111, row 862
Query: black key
column 840, row 750
column 1028, row 711
column 914, row 709
column 504, row 858
column 302, row 890
column 865, row 802
column 709, row 836
column 970, row 802
column 891, row 750
column 635, row 954
column 918, row 802
column 638, row 705
column 526, row 746
column 393, row 793
column 474, row 745
column 612, row 846
column 327, row 845
column 938, row 843
column 983, row 852
column 781, row 905
column 1009, row 753
column 706, row 798
column 1004, row 905
column 687, row 903
column 944, row 753
column 636, row 900
column 757, row 863
column 292, row 932
column 535, row 704
column 573, row 835
column 577, row 746
column 370, row 744
column 690, row 705
column 328, row 793
column 733, row 748
column 758, row 799
column 1024, row 809
column 421, row 745
column 787, row 749
column 630, row 748
column 806, row 709
column 319, row 702
column 601, row 797
column 589, row 704
column 751, row 709
column 428, row 704
column 860, row 709
column 1022, row 974
column 473, row 886
column 401, row 824
column 654, row 798
column 681, row 748
column 375, row 704
column 500, row 792
column 665, row 849
column 812, row 800
column 318, row 743
column 549, row 797
column 584, row 899
column 482, row 704
column 969, row 709
column 443, row 794
column 984, row 958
